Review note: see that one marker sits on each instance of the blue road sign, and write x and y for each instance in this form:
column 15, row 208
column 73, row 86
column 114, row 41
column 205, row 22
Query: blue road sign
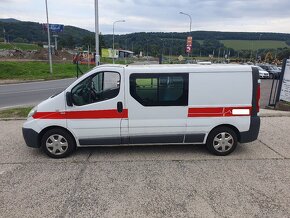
column 55, row 28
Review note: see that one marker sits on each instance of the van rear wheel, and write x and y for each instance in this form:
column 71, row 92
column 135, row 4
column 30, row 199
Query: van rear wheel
column 57, row 143
column 222, row 141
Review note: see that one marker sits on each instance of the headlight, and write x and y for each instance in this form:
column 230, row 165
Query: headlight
column 32, row 112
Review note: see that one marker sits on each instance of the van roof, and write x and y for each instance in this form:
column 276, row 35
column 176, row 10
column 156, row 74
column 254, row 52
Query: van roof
column 187, row 67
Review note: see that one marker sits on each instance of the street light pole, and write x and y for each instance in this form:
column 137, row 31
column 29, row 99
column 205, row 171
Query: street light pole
column 48, row 36
column 257, row 46
column 97, row 57
column 118, row 21
column 190, row 22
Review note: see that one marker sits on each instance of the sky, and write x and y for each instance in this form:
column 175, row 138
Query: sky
column 157, row 15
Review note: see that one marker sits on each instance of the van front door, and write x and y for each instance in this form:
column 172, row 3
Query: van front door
column 157, row 105
column 98, row 109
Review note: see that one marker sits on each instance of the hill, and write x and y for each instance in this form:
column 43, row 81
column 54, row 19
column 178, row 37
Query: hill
column 9, row 20
column 32, row 32
column 153, row 43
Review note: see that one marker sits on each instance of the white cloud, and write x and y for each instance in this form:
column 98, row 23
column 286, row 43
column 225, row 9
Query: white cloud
column 157, row 15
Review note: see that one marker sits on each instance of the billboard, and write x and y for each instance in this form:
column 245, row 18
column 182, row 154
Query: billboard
column 285, row 88
column 109, row 53
column 55, row 28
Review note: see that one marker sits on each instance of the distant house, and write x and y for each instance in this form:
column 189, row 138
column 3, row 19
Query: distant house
column 125, row 54
column 117, row 53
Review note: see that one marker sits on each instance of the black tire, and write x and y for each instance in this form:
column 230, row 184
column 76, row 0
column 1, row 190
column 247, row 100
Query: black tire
column 224, row 147
column 271, row 76
column 62, row 146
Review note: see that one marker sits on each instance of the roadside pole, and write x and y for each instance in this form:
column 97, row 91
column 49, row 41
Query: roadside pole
column 97, row 57
column 48, row 36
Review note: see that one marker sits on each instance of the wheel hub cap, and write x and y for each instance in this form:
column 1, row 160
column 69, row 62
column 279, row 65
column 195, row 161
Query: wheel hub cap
column 223, row 142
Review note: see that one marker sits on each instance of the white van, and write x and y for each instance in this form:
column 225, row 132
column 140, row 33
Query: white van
column 118, row 105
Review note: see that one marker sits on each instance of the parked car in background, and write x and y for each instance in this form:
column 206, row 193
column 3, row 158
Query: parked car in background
column 263, row 73
column 274, row 72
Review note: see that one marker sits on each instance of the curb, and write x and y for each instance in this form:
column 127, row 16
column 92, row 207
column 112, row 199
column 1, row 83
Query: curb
column 273, row 113
column 12, row 118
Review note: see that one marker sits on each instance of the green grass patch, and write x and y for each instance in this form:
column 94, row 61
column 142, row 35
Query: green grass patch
column 117, row 61
column 20, row 46
column 38, row 70
column 15, row 112
column 34, row 70
column 254, row 44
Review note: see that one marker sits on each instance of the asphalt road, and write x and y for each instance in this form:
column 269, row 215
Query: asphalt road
column 35, row 92
column 159, row 181
column 30, row 93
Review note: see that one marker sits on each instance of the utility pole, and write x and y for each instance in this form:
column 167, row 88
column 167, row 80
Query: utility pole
column 97, row 57
column 55, row 41
column 4, row 31
column 257, row 46
column 48, row 36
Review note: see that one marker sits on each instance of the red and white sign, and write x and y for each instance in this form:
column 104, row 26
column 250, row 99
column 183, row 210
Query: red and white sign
column 189, row 44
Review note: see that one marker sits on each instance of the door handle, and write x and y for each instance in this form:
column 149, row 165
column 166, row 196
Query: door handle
column 120, row 107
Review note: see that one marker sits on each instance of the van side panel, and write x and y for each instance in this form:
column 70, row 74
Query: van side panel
column 212, row 98
column 220, row 89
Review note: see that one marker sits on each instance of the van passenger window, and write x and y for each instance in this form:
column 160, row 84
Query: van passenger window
column 160, row 89
column 98, row 87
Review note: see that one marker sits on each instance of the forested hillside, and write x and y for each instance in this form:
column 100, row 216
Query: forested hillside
column 153, row 43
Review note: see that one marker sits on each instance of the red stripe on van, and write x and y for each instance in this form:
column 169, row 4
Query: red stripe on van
column 94, row 114
column 216, row 112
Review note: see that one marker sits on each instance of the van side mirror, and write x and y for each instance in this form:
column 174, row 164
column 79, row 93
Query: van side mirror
column 69, row 101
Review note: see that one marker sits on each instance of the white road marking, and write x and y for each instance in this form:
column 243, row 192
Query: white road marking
column 45, row 81
column 33, row 90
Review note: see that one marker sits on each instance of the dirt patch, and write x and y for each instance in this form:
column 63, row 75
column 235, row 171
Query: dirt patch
column 283, row 106
column 40, row 55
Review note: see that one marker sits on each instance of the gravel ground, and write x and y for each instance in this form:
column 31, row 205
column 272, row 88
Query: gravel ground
column 159, row 181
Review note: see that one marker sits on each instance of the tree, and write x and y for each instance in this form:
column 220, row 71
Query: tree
column 285, row 53
column 269, row 57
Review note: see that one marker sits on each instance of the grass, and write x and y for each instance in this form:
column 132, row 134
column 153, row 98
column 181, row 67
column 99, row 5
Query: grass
column 34, row 70
column 117, row 61
column 21, row 46
column 15, row 112
column 254, row 44
column 38, row 70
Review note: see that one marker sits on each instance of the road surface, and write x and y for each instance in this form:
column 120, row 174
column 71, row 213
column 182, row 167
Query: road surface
column 30, row 93
column 152, row 181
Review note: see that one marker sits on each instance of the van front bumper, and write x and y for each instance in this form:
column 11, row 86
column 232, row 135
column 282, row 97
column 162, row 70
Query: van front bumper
column 253, row 132
column 31, row 137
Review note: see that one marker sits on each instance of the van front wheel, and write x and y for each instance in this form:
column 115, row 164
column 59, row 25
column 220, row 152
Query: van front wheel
column 222, row 141
column 57, row 143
